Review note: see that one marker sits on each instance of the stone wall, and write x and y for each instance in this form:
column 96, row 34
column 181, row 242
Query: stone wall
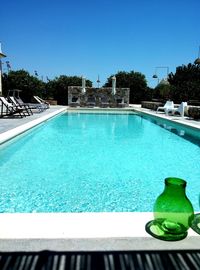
column 51, row 101
column 194, row 112
column 98, row 97
column 152, row 105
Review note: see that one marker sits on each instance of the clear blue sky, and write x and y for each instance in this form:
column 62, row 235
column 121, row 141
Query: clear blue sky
column 91, row 37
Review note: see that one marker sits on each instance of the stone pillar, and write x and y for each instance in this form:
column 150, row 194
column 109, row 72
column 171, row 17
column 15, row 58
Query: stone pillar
column 113, row 85
column 83, row 85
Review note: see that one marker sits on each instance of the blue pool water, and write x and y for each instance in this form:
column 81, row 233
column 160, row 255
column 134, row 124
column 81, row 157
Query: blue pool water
column 94, row 163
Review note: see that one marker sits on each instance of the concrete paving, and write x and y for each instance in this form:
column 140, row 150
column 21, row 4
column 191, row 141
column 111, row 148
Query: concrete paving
column 7, row 123
column 174, row 118
column 11, row 123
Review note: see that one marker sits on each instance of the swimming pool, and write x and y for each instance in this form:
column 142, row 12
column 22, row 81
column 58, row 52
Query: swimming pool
column 80, row 162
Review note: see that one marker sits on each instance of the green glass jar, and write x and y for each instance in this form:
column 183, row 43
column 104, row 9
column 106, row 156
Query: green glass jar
column 173, row 212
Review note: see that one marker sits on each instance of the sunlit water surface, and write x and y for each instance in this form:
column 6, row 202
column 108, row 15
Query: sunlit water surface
column 95, row 163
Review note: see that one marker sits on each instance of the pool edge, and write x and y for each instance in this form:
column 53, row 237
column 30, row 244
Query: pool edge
column 12, row 133
column 84, row 232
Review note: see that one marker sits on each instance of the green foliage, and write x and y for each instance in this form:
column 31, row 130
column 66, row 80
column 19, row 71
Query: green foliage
column 185, row 83
column 162, row 91
column 58, row 88
column 22, row 80
column 31, row 85
column 135, row 81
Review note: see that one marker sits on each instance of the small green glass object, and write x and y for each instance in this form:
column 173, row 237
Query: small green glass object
column 173, row 212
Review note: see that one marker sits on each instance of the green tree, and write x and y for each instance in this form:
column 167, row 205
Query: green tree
column 185, row 83
column 135, row 81
column 22, row 80
column 162, row 91
column 58, row 88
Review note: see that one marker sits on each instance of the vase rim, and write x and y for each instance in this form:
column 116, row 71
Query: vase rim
column 175, row 181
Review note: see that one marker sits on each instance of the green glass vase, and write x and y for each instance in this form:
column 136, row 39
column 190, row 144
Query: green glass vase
column 173, row 212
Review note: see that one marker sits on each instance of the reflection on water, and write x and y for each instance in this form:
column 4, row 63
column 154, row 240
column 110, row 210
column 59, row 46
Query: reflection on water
column 176, row 130
column 114, row 125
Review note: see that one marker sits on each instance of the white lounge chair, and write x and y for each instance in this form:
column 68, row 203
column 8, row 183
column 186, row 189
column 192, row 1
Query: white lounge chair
column 33, row 106
column 27, row 109
column 169, row 105
column 180, row 109
column 8, row 108
column 42, row 102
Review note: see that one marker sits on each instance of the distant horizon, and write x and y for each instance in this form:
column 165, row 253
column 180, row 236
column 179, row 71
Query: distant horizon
column 94, row 38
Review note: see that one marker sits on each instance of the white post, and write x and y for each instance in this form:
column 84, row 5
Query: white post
column 113, row 85
column 1, row 55
column 0, row 78
column 83, row 85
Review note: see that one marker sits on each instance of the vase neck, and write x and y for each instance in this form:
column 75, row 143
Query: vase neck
column 176, row 190
column 175, row 185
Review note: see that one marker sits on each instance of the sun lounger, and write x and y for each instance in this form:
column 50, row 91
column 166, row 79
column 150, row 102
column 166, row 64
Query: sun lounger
column 169, row 105
column 42, row 102
column 33, row 106
column 8, row 109
column 180, row 109
column 27, row 109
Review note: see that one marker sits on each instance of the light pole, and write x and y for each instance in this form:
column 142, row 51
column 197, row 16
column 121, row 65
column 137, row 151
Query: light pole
column 36, row 73
column 155, row 76
column 1, row 56
column 8, row 66
column 197, row 61
column 98, row 81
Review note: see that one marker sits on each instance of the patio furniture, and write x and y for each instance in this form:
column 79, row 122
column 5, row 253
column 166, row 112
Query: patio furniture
column 169, row 105
column 42, row 102
column 26, row 107
column 8, row 109
column 180, row 109
column 36, row 106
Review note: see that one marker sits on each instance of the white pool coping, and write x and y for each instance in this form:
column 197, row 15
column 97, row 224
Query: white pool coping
column 84, row 232
column 80, row 231
column 174, row 119
column 5, row 136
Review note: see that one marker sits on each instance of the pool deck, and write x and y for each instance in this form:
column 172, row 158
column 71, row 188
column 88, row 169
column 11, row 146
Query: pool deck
column 81, row 231
column 176, row 119
column 8, row 124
